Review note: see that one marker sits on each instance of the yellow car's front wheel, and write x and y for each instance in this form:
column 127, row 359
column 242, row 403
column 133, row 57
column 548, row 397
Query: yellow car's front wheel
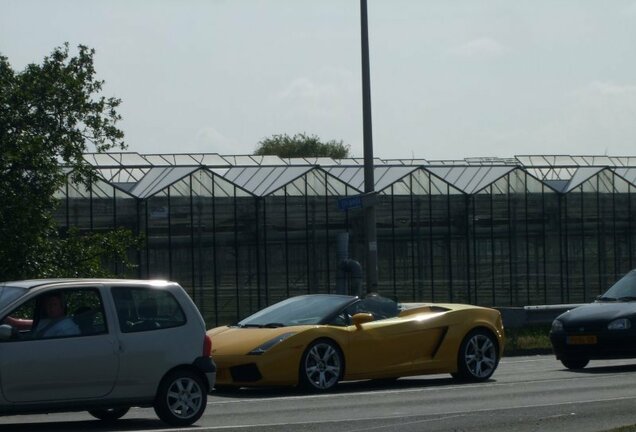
column 321, row 366
column 478, row 356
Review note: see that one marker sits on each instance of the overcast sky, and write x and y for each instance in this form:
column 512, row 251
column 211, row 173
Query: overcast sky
column 449, row 79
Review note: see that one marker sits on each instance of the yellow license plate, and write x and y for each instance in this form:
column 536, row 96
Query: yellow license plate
column 581, row 340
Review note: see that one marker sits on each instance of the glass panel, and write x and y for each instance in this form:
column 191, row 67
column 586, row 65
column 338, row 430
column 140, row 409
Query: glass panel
column 605, row 230
column 458, row 236
column 103, row 206
column 554, row 246
column 157, row 215
column 79, row 206
column 145, row 309
column 246, row 249
column 578, row 243
column 126, row 216
column 60, row 211
column 535, row 221
column 204, row 283
column 181, row 236
column 621, row 224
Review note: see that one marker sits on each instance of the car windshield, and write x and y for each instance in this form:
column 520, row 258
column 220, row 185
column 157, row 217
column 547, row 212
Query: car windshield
column 309, row 309
column 623, row 290
column 9, row 293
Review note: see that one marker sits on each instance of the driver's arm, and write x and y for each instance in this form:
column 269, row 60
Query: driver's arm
column 19, row 323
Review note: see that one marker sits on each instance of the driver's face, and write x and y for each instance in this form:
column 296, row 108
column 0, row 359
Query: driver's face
column 53, row 307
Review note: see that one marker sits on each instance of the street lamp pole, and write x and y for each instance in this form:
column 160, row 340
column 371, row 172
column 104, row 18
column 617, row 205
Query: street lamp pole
column 369, row 182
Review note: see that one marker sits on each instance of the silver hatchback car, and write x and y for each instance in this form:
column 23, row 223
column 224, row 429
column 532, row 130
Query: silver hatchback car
column 103, row 346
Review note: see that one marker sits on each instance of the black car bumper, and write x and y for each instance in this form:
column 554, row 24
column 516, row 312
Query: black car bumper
column 601, row 345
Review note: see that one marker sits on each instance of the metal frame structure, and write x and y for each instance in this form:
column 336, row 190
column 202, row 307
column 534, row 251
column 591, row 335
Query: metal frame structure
column 241, row 232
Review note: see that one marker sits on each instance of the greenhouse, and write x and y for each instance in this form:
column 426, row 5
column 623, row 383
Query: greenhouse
column 242, row 232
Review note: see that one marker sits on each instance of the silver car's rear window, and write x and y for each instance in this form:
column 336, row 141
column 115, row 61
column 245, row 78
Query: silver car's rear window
column 9, row 293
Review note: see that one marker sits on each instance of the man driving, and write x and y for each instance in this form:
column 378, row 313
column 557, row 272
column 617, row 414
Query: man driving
column 53, row 320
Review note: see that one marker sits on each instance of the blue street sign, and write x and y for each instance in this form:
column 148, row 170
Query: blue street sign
column 350, row 202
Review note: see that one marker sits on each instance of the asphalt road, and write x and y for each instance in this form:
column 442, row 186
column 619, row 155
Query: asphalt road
column 526, row 394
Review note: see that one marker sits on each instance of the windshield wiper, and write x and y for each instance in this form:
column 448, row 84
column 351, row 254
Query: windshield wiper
column 268, row 325
column 273, row 325
column 605, row 299
column 627, row 298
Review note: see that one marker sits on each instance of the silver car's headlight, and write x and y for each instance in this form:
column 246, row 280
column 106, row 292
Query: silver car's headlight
column 270, row 343
column 557, row 326
column 619, row 324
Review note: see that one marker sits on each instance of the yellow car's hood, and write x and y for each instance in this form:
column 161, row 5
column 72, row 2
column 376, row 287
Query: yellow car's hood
column 240, row 341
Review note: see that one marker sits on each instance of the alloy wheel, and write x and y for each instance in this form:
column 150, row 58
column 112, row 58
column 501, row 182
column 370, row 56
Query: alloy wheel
column 322, row 365
column 184, row 397
column 480, row 356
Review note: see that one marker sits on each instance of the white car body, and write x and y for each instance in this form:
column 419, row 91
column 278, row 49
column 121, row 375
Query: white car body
column 116, row 363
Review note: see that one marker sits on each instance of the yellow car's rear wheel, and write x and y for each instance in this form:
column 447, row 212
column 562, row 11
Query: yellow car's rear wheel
column 321, row 366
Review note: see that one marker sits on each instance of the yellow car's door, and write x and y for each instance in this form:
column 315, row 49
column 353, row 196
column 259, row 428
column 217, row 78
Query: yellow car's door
column 390, row 347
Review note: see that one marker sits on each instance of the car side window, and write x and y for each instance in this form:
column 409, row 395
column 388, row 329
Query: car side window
column 146, row 309
column 379, row 307
column 58, row 313
column 342, row 319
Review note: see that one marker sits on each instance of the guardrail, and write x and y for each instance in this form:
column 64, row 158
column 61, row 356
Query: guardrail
column 515, row 317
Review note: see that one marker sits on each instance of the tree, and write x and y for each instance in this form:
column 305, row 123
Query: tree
column 301, row 145
column 50, row 115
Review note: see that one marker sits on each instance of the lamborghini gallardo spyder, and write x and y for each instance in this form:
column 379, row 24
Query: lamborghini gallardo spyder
column 316, row 341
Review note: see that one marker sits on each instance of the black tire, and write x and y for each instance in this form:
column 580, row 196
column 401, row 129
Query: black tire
column 227, row 389
column 321, row 366
column 181, row 398
column 575, row 363
column 385, row 380
column 109, row 414
column 478, row 356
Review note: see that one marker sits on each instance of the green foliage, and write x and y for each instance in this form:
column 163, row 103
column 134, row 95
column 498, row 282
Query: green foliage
column 86, row 255
column 50, row 115
column 301, row 145
column 527, row 340
column 631, row 428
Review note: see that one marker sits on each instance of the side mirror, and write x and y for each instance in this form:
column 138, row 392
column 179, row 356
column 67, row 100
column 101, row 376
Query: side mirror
column 361, row 318
column 7, row 332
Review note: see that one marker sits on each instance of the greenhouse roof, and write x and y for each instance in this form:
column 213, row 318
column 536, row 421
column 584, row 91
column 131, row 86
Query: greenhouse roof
column 159, row 178
column 471, row 179
column 628, row 174
column 575, row 161
column 581, row 176
column 383, row 176
column 143, row 175
column 262, row 181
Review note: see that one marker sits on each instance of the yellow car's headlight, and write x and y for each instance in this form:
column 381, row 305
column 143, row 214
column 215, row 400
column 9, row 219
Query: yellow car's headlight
column 270, row 343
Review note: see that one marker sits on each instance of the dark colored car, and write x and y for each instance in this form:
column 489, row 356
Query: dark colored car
column 605, row 329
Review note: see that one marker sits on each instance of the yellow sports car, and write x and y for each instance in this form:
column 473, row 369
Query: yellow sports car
column 317, row 340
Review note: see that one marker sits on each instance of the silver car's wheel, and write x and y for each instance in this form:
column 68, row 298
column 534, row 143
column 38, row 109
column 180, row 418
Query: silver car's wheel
column 478, row 356
column 321, row 366
column 181, row 398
